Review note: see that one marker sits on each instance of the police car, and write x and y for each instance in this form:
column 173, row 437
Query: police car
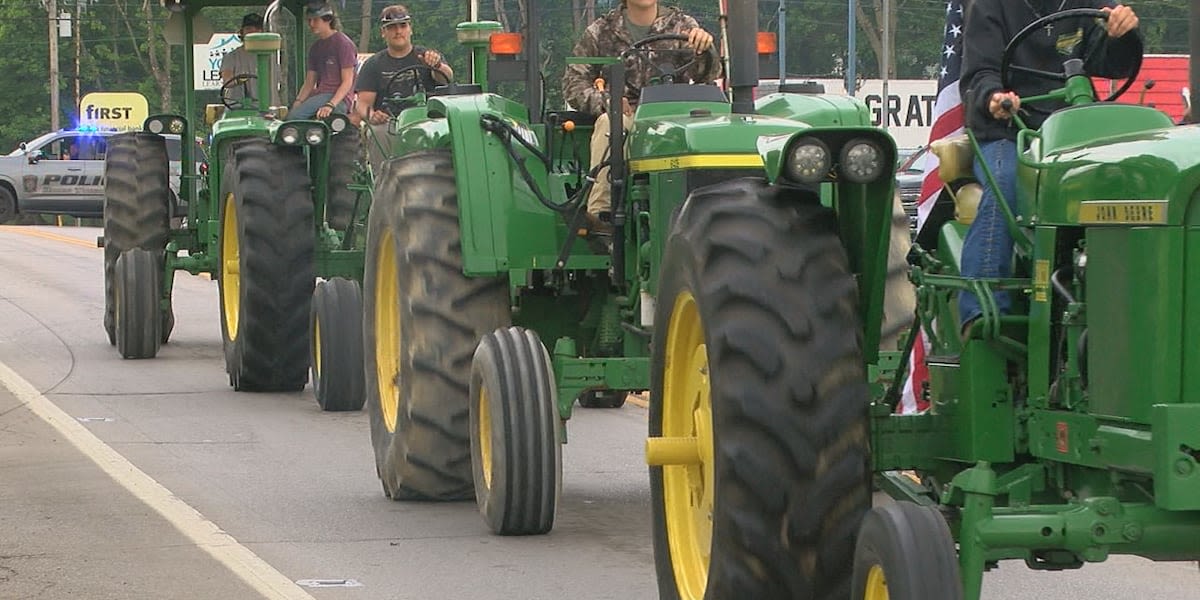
column 62, row 173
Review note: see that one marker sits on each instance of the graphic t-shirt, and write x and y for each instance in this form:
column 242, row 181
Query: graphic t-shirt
column 328, row 57
column 376, row 75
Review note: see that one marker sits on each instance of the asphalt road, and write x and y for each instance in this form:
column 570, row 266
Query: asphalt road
column 207, row 493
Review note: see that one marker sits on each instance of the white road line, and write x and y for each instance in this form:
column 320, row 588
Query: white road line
column 253, row 570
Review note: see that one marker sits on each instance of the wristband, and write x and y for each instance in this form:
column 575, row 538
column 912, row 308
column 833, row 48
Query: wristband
column 330, row 105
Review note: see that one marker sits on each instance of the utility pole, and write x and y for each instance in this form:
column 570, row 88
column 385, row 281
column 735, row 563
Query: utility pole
column 887, row 62
column 52, row 10
column 77, row 30
column 851, row 50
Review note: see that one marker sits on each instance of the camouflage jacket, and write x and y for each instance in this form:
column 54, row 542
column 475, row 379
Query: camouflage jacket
column 607, row 36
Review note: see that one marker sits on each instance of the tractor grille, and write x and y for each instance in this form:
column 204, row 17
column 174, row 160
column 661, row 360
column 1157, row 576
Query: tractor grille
column 909, row 196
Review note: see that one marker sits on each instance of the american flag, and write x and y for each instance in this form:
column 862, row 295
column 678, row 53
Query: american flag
column 947, row 121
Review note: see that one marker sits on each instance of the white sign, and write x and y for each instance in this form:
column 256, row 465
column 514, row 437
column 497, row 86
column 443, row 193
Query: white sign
column 206, row 59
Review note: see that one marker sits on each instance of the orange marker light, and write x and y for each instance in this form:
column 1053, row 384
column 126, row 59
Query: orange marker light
column 568, row 126
column 767, row 43
column 506, row 44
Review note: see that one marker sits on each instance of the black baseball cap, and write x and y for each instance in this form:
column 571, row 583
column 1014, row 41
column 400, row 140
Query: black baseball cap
column 394, row 14
column 252, row 20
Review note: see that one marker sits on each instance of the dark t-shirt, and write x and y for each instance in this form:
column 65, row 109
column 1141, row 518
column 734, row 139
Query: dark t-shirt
column 328, row 57
column 377, row 72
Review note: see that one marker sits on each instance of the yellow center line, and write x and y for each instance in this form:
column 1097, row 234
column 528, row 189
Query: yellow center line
column 24, row 230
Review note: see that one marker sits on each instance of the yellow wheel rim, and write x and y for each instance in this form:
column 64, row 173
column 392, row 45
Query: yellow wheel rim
column 687, row 413
column 876, row 588
column 485, row 437
column 231, row 270
column 387, row 332
column 317, row 346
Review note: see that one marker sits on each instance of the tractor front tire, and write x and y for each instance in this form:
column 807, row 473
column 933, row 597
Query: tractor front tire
column 136, row 288
column 757, row 382
column 136, row 212
column 515, row 450
column 337, row 345
column 906, row 552
column 422, row 321
column 266, row 275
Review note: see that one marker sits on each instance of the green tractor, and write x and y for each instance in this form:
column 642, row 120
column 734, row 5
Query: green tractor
column 1047, row 439
column 272, row 207
column 487, row 315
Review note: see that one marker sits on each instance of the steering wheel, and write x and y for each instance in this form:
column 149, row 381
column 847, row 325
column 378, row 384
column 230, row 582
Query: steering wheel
column 242, row 80
column 667, row 72
column 397, row 100
column 1007, row 67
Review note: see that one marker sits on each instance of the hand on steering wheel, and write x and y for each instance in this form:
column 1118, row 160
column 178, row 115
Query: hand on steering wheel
column 698, row 42
column 1118, row 23
column 243, row 80
column 395, row 100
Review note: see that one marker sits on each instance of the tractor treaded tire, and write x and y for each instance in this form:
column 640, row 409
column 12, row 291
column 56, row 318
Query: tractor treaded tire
column 337, row 345
column 136, row 275
column 778, row 309
column 345, row 150
column 913, row 546
column 136, row 193
column 511, row 365
column 441, row 315
column 276, row 245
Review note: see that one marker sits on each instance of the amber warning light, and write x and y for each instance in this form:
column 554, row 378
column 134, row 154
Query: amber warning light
column 506, row 44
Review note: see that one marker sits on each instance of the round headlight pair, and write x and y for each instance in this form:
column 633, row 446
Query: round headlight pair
column 860, row 161
column 291, row 135
column 174, row 126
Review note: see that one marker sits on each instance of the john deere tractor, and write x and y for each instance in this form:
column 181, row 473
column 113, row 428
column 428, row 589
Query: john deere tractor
column 1057, row 434
column 271, row 208
column 488, row 314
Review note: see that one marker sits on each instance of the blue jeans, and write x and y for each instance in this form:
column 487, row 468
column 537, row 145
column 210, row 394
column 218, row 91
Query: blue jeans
column 308, row 108
column 987, row 251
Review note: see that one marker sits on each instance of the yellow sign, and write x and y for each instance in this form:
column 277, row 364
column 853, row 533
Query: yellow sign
column 695, row 161
column 113, row 110
column 1041, row 280
column 1123, row 212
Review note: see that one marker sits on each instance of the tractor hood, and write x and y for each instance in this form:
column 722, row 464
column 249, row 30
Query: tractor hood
column 702, row 141
column 1144, row 177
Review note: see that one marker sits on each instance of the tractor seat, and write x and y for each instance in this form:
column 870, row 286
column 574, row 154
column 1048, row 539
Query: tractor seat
column 682, row 92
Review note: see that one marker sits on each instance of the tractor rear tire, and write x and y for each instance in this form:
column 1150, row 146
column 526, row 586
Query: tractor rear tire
column 345, row 152
column 602, row 398
column 906, row 552
column 266, row 276
column 515, row 452
column 759, row 366
column 337, row 345
column 136, row 212
column 422, row 322
column 136, row 288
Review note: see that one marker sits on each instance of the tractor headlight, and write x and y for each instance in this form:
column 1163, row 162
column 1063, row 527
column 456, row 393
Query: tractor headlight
column 861, row 161
column 808, row 161
column 314, row 136
column 154, row 126
column 176, row 126
column 289, row 135
column 338, row 123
